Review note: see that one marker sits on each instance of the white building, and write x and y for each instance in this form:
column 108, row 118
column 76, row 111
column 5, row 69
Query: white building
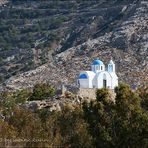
column 99, row 77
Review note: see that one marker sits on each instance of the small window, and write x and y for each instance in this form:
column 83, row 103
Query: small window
column 97, row 68
column 110, row 68
column 101, row 67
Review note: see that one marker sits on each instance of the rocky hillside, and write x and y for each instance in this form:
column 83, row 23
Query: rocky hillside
column 3, row 2
column 51, row 41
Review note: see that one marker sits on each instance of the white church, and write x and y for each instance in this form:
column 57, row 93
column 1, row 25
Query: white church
column 99, row 76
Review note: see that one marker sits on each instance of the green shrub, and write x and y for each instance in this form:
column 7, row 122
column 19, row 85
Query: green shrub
column 42, row 91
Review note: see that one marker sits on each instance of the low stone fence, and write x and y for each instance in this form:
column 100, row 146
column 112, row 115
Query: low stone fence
column 90, row 93
column 87, row 93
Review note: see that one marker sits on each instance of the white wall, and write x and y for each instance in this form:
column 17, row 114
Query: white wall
column 114, row 80
column 98, row 80
column 84, row 83
column 87, row 83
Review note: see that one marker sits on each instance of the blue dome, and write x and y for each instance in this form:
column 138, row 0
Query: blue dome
column 82, row 76
column 97, row 62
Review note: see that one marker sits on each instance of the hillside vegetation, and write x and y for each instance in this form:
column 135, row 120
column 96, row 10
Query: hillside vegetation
column 100, row 123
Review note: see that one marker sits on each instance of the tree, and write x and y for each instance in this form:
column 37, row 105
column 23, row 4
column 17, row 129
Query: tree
column 7, row 103
column 29, row 127
column 7, row 134
column 131, row 121
column 99, row 123
column 42, row 91
column 65, row 128
column 120, row 124
column 143, row 94
column 98, row 114
column 22, row 96
column 9, row 100
column 71, row 129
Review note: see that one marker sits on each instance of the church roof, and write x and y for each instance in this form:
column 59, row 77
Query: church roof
column 82, row 76
column 111, row 62
column 97, row 62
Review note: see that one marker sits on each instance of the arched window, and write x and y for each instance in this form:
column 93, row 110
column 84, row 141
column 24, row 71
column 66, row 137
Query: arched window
column 110, row 68
column 101, row 67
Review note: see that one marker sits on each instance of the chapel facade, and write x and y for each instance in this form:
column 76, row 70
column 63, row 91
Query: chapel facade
column 99, row 76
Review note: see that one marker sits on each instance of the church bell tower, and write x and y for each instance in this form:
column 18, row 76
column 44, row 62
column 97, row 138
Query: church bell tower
column 111, row 66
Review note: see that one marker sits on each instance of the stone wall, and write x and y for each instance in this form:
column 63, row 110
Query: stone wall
column 90, row 93
column 87, row 93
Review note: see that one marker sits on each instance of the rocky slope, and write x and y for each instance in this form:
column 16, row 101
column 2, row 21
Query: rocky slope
column 2, row 2
column 109, row 29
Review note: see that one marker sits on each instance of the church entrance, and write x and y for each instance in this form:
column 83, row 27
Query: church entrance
column 104, row 83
